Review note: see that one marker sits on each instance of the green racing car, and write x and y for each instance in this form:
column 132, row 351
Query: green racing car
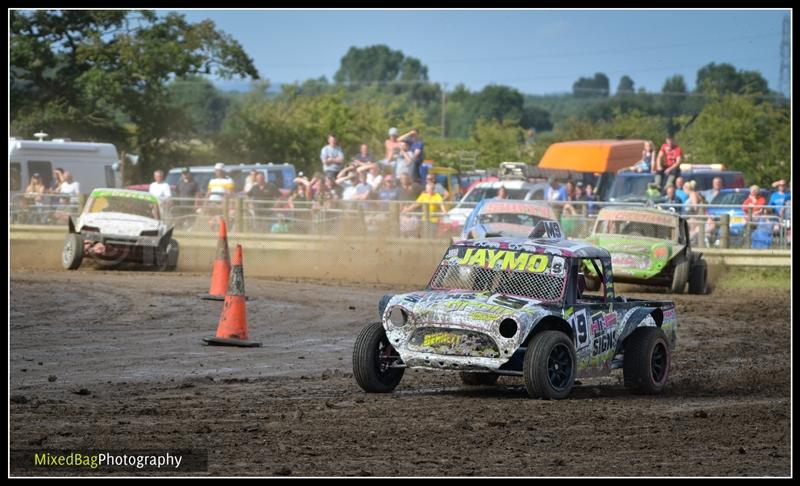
column 649, row 246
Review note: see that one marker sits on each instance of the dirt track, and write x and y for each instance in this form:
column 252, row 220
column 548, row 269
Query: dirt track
column 132, row 340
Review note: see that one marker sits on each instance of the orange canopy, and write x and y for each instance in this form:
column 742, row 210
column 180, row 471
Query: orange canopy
column 593, row 155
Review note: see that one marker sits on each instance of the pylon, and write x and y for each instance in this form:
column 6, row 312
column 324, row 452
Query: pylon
column 232, row 328
column 222, row 266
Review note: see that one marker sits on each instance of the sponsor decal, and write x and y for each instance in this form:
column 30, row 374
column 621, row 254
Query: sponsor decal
column 580, row 324
column 505, row 260
column 603, row 343
column 441, row 338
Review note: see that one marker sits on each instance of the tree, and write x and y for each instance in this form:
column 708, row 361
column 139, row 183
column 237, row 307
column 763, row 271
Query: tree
column 536, row 118
column 722, row 79
column 591, row 87
column 378, row 64
column 744, row 134
column 625, row 86
column 201, row 102
column 674, row 94
column 496, row 102
column 104, row 74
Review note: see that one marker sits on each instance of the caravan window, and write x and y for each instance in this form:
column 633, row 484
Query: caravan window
column 44, row 168
column 15, row 171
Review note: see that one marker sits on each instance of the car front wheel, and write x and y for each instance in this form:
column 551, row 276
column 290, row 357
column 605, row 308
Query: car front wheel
column 550, row 366
column 72, row 254
column 375, row 361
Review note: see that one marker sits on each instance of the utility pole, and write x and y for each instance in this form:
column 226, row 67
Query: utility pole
column 444, row 109
column 784, row 81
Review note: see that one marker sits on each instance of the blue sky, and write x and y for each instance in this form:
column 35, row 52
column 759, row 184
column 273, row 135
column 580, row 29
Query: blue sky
column 535, row 51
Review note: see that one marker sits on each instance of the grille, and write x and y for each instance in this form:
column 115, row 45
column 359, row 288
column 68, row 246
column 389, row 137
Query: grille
column 540, row 286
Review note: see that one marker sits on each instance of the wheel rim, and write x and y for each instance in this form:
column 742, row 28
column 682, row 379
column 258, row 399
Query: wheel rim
column 66, row 256
column 559, row 367
column 386, row 357
column 658, row 363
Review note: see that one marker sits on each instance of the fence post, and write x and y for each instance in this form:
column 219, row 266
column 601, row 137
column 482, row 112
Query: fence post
column 394, row 219
column 724, row 230
column 426, row 217
column 747, row 228
column 239, row 215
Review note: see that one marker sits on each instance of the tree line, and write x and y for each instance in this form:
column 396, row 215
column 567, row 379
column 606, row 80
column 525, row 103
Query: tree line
column 140, row 81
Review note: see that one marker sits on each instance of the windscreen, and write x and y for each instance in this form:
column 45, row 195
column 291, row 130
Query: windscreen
column 128, row 205
column 539, row 276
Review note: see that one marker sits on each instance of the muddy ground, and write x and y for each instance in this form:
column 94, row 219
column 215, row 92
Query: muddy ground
column 114, row 360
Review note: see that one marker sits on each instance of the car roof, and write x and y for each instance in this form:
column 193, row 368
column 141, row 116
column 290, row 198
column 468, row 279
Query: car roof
column 629, row 209
column 110, row 191
column 562, row 247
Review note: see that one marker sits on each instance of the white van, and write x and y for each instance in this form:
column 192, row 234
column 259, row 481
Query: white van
column 91, row 164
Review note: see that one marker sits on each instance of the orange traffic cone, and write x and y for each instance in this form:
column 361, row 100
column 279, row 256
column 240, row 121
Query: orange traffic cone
column 232, row 328
column 222, row 267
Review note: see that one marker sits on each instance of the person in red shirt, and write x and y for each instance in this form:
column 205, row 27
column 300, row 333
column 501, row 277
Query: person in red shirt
column 668, row 162
column 754, row 201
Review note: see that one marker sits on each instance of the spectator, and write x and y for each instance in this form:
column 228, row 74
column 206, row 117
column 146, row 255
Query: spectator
column 250, row 180
column 301, row 193
column 779, row 199
column 716, row 187
column 187, row 192
column 326, row 193
column 35, row 190
column 555, row 192
column 392, row 146
column 70, row 187
column 220, row 187
column 58, row 178
column 502, row 193
column 693, row 209
column 590, row 198
column 355, row 187
column 374, row 177
column 280, row 226
column 644, row 165
column 679, row 191
column 754, row 202
column 408, row 190
column 262, row 196
column 159, row 188
column 435, row 207
column 416, row 148
column 440, row 189
column 332, row 157
column 668, row 162
column 404, row 162
column 388, row 190
column 363, row 157
column 671, row 200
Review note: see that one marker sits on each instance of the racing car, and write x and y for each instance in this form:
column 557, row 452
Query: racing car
column 518, row 306
column 649, row 246
column 505, row 217
column 119, row 226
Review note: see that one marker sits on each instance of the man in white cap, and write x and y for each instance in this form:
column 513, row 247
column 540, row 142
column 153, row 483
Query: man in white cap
column 221, row 186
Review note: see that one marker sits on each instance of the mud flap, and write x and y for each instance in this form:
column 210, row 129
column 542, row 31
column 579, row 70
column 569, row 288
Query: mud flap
column 633, row 322
column 71, row 224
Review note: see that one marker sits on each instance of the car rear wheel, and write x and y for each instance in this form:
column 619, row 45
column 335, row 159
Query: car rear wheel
column 478, row 379
column 646, row 361
column 549, row 367
column 374, row 360
column 72, row 254
column 698, row 279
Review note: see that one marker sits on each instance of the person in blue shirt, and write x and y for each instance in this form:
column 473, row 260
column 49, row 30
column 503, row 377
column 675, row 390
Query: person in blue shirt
column 779, row 198
column 417, row 148
column 555, row 192
column 679, row 191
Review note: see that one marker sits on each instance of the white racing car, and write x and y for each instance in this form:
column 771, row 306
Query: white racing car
column 120, row 226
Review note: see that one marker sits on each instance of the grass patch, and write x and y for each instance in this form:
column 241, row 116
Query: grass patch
column 751, row 278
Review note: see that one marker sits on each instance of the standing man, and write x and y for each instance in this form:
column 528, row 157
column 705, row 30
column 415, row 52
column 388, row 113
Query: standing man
column 159, row 188
column 668, row 162
column 716, row 187
column 391, row 146
column 417, row 154
column 187, row 192
column 363, row 157
column 332, row 157
column 220, row 188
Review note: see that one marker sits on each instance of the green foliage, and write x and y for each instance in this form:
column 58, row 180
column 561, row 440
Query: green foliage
column 625, row 86
column 745, row 135
column 499, row 142
column 379, row 64
column 589, row 87
column 103, row 75
column 721, row 79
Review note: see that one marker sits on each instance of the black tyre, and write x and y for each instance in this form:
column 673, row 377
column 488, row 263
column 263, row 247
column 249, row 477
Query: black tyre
column 168, row 261
column 698, row 278
column 373, row 356
column 477, row 379
column 72, row 254
column 550, row 366
column 647, row 359
column 680, row 275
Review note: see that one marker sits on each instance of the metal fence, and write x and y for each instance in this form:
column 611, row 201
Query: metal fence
column 709, row 225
